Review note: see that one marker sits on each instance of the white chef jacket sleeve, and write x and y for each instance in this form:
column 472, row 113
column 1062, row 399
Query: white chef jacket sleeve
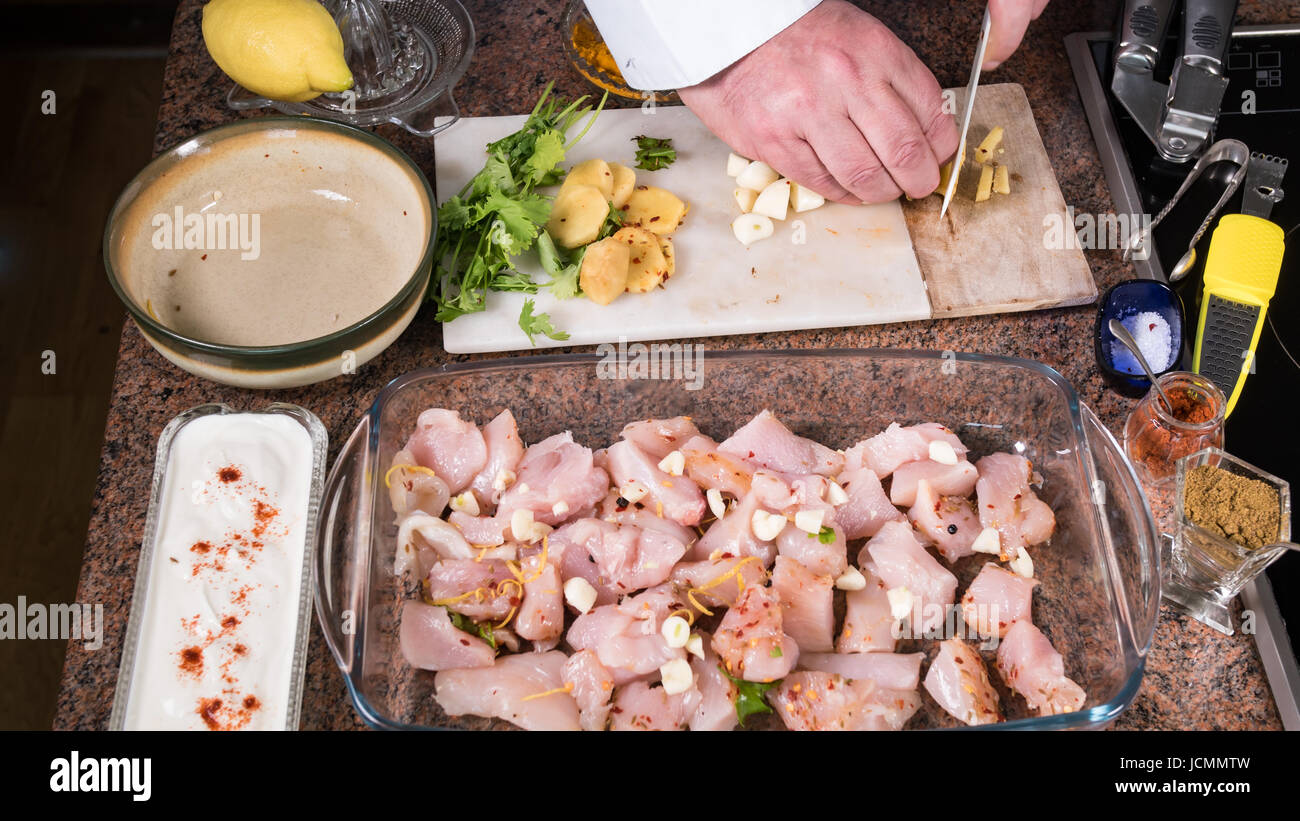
column 663, row 44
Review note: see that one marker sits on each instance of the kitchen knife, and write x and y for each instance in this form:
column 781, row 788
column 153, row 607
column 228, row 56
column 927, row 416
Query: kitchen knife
column 970, row 106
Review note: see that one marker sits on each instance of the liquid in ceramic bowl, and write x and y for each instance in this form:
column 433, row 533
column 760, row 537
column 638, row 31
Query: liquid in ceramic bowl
column 273, row 252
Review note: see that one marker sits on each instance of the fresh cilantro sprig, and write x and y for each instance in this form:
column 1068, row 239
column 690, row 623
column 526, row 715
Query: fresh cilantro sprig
column 654, row 153
column 826, row 535
column 749, row 696
column 483, row 631
column 498, row 215
column 539, row 324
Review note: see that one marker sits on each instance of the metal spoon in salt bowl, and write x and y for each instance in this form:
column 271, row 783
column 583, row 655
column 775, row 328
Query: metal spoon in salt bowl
column 1121, row 333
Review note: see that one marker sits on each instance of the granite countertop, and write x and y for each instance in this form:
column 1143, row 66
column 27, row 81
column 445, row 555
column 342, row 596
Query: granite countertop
column 1195, row 677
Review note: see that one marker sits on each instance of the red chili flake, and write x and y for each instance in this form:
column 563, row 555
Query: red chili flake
column 192, row 660
column 201, row 547
column 229, row 474
column 208, row 709
column 240, row 650
column 204, row 257
column 465, row 642
column 251, row 703
column 230, row 622
column 1151, row 327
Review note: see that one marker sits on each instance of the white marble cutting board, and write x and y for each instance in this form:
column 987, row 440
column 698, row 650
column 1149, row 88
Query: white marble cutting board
column 855, row 266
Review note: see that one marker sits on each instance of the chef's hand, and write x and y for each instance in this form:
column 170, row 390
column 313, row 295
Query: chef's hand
column 1010, row 19
column 837, row 103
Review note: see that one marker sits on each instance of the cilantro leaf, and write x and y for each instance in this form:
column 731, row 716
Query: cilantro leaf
column 548, row 152
column 749, row 696
column 776, row 652
column 654, row 153
column 613, row 222
column 826, row 535
column 564, row 282
column 539, row 324
column 483, row 631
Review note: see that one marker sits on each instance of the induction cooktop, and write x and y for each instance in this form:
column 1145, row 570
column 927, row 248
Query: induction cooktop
column 1262, row 109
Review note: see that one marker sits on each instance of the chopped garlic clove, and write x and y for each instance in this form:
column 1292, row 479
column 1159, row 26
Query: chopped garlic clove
column 836, row 495
column 716, row 503
column 852, row 579
column 810, row 521
column 634, row 491
column 503, row 480
column 673, row 464
column 766, row 526
column 736, row 164
column 774, row 201
column 750, row 228
column 677, row 676
column 757, row 176
column 695, row 645
column 560, row 508
column 900, row 602
column 987, row 542
column 804, row 199
column 676, row 631
column 943, row 452
column 580, row 595
column 745, row 199
column 521, row 524
column 1022, row 565
column 465, row 503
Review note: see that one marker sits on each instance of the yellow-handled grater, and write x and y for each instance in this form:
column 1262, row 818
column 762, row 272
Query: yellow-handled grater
column 1241, row 273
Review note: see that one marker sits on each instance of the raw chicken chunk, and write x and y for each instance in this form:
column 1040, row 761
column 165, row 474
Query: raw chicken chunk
column 948, row 522
column 996, row 599
column 825, row 558
column 868, row 508
column 452, row 447
column 886, row 452
column 812, row 700
column 412, row 490
column 719, row 582
column 1007, row 503
column 751, row 641
column 676, row 497
column 807, row 605
column 1031, row 666
column 504, row 450
column 430, row 641
column 592, row 687
column 638, row 706
column 765, row 441
column 541, row 614
column 733, row 535
column 903, row 563
column 557, row 479
column 958, row 683
column 868, row 622
column 714, row 709
column 470, row 588
column 659, row 437
column 947, row 480
column 512, row 689
column 709, row 467
column 626, row 638
column 893, row 671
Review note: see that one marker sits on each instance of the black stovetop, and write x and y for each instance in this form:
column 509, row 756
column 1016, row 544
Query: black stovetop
column 1261, row 429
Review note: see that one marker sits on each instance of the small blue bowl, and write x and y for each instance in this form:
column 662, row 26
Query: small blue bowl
column 1123, row 300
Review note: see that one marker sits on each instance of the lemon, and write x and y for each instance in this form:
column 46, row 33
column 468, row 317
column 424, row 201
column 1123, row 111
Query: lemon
column 288, row 50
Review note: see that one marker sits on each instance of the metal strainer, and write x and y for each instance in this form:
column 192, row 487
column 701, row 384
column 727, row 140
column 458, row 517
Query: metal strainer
column 405, row 57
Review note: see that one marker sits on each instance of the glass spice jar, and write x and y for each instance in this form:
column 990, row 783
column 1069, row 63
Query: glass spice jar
column 1156, row 437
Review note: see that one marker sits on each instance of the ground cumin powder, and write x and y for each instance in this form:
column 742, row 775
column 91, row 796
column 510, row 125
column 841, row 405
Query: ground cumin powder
column 1237, row 508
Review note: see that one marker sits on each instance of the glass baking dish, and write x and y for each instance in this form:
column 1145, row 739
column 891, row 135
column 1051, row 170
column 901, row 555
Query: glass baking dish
column 151, row 545
column 1100, row 592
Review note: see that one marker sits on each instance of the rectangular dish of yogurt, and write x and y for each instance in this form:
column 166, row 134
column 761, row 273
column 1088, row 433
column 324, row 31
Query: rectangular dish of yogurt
column 218, row 628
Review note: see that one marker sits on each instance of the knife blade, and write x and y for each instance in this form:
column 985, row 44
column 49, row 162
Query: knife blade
column 970, row 106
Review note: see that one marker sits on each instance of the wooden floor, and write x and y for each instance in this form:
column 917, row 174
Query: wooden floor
column 60, row 175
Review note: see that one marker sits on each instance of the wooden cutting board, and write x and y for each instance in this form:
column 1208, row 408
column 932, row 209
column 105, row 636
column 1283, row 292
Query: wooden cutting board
column 990, row 257
column 839, row 266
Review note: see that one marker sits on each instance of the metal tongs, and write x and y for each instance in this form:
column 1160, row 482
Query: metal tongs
column 1234, row 151
column 1178, row 118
